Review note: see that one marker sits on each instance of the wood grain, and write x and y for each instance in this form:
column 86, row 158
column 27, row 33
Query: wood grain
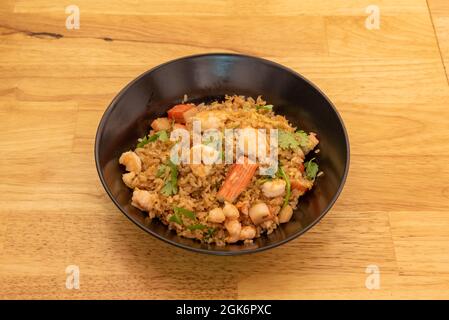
column 389, row 85
column 439, row 10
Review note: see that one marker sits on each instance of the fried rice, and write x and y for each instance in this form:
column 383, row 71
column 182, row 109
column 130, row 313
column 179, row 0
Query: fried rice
column 190, row 198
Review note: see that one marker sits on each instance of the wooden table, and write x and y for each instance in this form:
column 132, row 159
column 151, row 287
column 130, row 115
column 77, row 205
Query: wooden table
column 389, row 85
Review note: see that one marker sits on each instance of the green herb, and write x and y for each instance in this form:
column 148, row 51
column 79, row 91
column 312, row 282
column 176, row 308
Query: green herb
column 171, row 186
column 311, row 169
column 196, row 227
column 293, row 140
column 160, row 135
column 189, row 214
column 143, row 141
column 287, row 140
column 161, row 170
column 303, row 138
column 281, row 173
column 173, row 174
column 175, row 218
column 210, row 232
column 268, row 107
column 153, row 137
column 178, row 212
column 168, row 189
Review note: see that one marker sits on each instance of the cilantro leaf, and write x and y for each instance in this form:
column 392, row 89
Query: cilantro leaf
column 196, row 227
column 287, row 140
column 175, row 218
column 311, row 169
column 168, row 189
column 187, row 213
column 160, row 135
column 143, row 141
column 303, row 138
column 173, row 175
column 171, row 186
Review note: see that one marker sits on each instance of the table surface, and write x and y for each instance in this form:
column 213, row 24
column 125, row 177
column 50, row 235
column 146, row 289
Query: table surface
column 389, row 84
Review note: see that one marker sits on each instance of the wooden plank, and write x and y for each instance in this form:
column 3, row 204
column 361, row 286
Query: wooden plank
column 389, row 86
column 439, row 11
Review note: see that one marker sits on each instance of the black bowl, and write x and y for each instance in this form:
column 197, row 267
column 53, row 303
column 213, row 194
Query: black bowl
column 208, row 77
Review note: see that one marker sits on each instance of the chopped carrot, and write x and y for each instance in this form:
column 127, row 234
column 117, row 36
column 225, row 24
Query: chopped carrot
column 181, row 112
column 238, row 178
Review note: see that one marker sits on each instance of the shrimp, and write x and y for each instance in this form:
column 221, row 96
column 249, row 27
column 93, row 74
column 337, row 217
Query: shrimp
column 161, row 124
column 233, row 227
column 230, row 211
column 211, row 119
column 128, row 179
column 247, row 233
column 216, row 215
column 273, row 188
column 260, row 213
column 131, row 161
column 144, row 200
column 286, row 214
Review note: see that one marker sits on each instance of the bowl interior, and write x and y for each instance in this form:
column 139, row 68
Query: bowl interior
column 210, row 77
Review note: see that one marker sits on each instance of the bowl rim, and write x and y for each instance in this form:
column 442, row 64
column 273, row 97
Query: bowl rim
column 113, row 103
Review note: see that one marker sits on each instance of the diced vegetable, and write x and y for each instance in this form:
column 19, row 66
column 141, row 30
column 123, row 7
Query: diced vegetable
column 161, row 124
column 181, row 112
column 162, row 135
column 238, row 178
column 268, row 107
column 281, row 173
column 189, row 114
column 311, row 169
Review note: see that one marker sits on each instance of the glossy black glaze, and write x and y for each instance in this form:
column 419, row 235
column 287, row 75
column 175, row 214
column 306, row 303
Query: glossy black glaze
column 208, row 77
